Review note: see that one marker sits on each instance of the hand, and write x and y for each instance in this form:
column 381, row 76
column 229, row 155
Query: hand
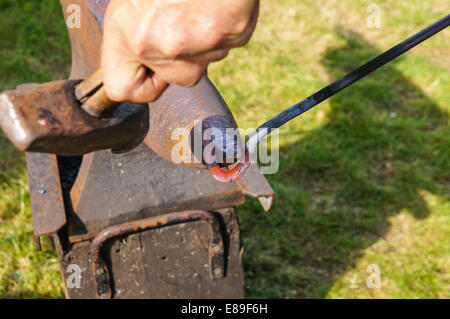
column 150, row 43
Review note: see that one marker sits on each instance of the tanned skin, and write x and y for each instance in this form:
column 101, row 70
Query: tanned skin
column 148, row 44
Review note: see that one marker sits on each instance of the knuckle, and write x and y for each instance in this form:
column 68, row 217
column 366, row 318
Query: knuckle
column 173, row 47
column 139, row 44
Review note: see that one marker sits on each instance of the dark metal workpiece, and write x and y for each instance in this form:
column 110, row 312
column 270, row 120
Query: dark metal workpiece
column 100, row 269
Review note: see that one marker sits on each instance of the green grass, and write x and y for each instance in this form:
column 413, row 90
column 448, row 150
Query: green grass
column 364, row 178
column 34, row 48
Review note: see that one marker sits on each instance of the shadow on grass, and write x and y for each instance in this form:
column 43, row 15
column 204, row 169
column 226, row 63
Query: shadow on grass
column 382, row 145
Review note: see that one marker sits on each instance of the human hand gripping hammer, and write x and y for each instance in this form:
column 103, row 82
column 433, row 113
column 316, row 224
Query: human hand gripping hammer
column 70, row 117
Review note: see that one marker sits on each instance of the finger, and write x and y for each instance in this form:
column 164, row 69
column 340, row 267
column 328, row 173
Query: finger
column 242, row 38
column 181, row 72
column 149, row 86
column 207, row 57
column 125, row 79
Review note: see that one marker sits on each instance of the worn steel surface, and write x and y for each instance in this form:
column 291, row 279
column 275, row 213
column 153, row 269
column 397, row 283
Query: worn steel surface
column 47, row 118
column 46, row 194
column 100, row 269
column 85, row 41
column 165, row 262
column 193, row 110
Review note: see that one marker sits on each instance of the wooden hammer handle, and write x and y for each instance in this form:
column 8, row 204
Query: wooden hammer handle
column 92, row 95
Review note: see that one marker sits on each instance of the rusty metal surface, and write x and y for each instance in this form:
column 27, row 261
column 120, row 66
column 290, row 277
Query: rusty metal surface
column 100, row 269
column 85, row 41
column 47, row 118
column 46, row 194
column 165, row 262
column 139, row 184
column 179, row 108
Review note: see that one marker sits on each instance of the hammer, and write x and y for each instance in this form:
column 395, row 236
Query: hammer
column 71, row 117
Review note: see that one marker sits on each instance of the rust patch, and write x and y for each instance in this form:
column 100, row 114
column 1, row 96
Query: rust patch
column 100, row 269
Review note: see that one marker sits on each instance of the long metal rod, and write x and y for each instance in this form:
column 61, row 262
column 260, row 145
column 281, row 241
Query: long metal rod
column 318, row 97
column 345, row 81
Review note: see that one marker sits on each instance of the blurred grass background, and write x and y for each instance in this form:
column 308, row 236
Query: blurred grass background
column 364, row 178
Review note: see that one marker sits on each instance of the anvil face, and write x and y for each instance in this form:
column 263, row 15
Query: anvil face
column 47, row 118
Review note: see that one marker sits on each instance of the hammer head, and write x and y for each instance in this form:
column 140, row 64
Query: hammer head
column 47, row 118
